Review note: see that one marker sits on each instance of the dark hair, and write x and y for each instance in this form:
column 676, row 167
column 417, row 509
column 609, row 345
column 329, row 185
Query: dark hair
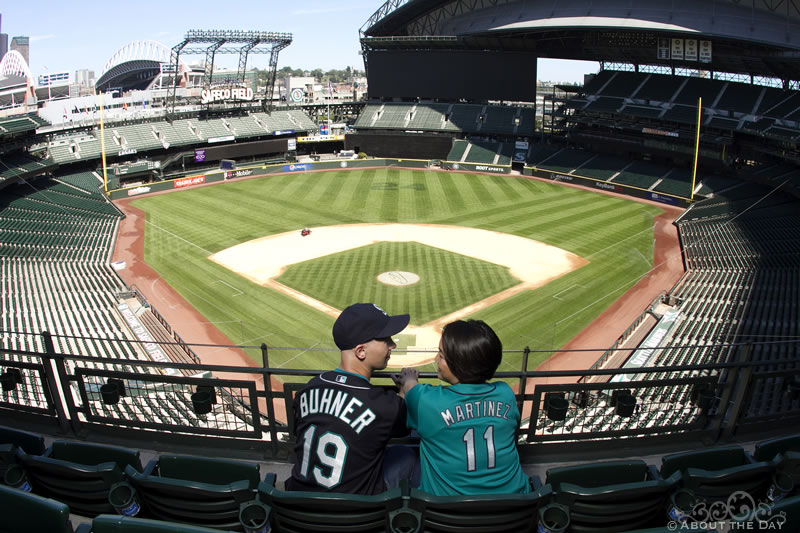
column 472, row 350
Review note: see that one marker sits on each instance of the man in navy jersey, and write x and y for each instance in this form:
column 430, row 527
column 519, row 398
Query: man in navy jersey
column 342, row 422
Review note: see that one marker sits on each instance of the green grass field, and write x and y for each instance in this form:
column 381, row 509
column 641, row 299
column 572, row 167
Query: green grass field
column 184, row 228
column 347, row 277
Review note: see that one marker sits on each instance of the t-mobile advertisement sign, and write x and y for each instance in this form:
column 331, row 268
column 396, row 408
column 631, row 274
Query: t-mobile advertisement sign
column 199, row 156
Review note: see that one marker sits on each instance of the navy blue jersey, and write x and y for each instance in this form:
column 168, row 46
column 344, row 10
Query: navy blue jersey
column 343, row 424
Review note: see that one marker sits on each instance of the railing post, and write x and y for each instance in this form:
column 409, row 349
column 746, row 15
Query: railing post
column 523, row 380
column 57, row 386
column 264, row 356
column 273, row 434
column 735, row 395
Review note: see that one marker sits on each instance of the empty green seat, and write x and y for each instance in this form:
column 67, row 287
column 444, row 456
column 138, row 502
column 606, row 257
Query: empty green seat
column 31, row 443
column 666, row 529
column 510, row 513
column 717, row 473
column 195, row 490
column 79, row 474
column 785, row 453
column 12, row 440
column 23, row 512
column 316, row 512
column 612, row 496
column 781, row 516
column 128, row 524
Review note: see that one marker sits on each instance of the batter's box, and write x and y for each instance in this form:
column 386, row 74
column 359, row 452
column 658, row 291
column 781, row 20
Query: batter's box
column 559, row 294
column 237, row 292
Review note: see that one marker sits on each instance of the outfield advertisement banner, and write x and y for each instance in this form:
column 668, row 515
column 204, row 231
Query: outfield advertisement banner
column 295, row 167
column 663, row 198
column 628, row 190
column 187, row 182
column 138, row 190
column 476, row 167
column 238, row 173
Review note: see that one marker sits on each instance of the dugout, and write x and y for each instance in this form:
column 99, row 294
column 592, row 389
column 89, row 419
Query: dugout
column 400, row 145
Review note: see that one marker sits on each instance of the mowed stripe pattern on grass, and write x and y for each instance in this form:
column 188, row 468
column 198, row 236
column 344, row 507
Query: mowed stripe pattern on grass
column 614, row 234
column 448, row 281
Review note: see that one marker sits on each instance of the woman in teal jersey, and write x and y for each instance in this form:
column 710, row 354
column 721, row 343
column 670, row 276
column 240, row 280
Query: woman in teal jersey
column 467, row 429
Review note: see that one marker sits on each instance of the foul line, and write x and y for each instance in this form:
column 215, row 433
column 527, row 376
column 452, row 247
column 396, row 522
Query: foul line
column 565, row 290
column 177, row 236
column 650, row 229
column 232, row 287
column 298, row 355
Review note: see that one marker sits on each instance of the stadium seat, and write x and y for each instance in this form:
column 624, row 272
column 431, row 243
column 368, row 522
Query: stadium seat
column 667, row 529
column 23, row 512
column 13, row 439
column 781, row 516
column 785, row 453
column 612, row 496
column 510, row 513
column 768, row 449
column 195, row 490
column 313, row 512
column 79, row 474
column 30, row 443
column 717, row 473
column 128, row 524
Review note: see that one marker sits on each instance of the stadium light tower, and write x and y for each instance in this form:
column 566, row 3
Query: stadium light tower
column 241, row 42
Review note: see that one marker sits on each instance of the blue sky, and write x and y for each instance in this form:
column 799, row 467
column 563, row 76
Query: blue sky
column 70, row 36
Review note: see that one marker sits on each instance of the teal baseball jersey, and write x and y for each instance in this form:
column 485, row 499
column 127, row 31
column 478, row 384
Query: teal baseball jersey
column 467, row 438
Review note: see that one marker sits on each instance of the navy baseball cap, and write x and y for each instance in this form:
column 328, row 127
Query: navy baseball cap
column 361, row 323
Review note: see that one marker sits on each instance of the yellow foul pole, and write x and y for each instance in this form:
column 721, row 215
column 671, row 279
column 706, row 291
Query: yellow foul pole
column 103, row 146
column 696, row 145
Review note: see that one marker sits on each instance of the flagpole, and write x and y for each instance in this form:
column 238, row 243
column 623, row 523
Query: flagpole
column 103, row 145
column 696, row 146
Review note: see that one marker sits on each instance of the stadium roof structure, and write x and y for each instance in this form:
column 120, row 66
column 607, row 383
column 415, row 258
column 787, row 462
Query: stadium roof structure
column 757, row 37
column 134, row 66
column 13, row 66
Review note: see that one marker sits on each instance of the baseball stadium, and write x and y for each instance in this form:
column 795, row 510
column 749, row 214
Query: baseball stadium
column 176, row 248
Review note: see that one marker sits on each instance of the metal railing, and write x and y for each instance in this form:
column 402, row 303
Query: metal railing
column 230, row 407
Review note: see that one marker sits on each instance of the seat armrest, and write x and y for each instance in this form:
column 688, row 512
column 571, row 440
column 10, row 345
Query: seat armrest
column 653, row 471
column 270, row 478
column 151, row 466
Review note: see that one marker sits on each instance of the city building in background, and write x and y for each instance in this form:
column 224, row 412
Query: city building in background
column 21, row 44
column 84, row 80
column 3, row 39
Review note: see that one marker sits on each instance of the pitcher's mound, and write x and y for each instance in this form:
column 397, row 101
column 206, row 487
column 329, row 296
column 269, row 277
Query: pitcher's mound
column 398, row 278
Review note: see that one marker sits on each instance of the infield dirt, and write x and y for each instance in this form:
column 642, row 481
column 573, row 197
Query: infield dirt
column 532, row 262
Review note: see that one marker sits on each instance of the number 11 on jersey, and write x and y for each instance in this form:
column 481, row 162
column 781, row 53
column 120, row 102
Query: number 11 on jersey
column 469, row 441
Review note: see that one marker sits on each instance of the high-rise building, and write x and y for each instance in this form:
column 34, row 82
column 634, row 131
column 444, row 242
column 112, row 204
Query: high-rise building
column 3, row 39
column 21, row 44
column 84, row 77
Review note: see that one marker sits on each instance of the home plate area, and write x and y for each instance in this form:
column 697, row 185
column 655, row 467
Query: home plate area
column 532, row 262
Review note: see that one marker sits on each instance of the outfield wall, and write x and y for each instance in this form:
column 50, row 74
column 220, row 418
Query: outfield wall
column 266, row 170
column 476, row 167
column 628, row 190
column 255, row 171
